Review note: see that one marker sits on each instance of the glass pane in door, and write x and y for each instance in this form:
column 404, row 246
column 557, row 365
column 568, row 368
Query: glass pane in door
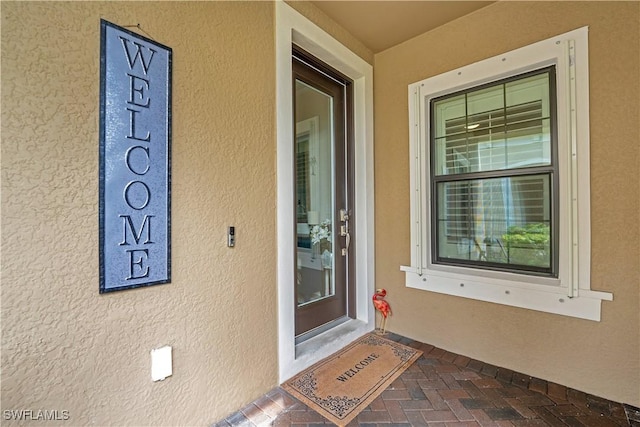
column 315, row 193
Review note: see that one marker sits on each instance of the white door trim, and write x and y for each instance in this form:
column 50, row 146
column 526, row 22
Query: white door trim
column 292, row 27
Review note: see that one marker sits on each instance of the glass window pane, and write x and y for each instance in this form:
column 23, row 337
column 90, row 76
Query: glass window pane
column 485, row 107
column 533, row 89
column 441, row 161
column 529, row 144
column 477, row 132
column 490, row 149
column 529, row 123
column 496, row 221
column 455, row 215
column 315, row 222
column 449, row 116
column 452, row 155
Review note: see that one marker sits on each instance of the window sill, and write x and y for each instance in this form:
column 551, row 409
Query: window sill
column 548, row 299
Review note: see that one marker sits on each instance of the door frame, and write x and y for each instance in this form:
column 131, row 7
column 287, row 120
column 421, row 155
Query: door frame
column 293, row 28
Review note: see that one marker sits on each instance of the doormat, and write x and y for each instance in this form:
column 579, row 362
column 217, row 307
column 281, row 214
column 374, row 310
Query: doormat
column 342, row 385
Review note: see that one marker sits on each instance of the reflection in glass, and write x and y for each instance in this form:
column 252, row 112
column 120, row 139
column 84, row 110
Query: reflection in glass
column 505, row 126
column 497, row 220
column 315, row 223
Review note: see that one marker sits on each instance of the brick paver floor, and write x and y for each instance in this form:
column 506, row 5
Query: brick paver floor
column 445, row 389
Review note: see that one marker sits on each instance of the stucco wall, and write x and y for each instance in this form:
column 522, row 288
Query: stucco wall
column 319, row 18
column 599, row 358
column 64, row 346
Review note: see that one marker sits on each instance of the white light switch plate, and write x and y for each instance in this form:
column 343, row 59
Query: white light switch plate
column 161, row 364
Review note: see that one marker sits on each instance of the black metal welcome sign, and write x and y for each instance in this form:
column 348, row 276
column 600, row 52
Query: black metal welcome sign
column 135, row 160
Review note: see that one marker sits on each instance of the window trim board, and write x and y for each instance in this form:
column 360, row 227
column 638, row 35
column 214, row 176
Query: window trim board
column 587, row 306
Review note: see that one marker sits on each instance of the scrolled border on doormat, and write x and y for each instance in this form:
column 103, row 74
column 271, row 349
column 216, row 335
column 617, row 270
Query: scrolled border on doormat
column 342, row 385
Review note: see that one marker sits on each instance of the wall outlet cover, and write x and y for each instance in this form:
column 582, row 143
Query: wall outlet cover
column 161, row 363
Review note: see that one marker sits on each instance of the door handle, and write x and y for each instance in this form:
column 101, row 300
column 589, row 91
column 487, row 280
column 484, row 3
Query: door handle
column 344, row 230
column 347, row 238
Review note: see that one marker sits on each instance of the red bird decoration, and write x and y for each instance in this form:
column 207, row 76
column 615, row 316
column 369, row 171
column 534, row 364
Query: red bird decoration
column 382, row 306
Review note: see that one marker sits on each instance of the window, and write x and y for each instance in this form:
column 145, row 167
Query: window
column 493, row 175
column 500, row 180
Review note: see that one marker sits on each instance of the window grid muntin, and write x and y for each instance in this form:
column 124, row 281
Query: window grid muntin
column 552, row 169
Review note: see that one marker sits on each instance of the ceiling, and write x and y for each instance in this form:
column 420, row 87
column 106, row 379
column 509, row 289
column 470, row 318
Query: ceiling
column 382, row 24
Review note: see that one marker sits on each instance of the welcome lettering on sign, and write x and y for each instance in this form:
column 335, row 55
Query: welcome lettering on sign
column 135, row 139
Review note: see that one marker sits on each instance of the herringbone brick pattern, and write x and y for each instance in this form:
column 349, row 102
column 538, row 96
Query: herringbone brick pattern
column 445, row 389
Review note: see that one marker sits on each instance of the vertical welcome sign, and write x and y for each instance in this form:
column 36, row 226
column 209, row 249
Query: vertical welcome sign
column 135, row 160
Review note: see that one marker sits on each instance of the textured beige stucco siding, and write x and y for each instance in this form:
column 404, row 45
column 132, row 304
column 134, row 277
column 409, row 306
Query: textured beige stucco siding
column 64, row 346
column 601, row 358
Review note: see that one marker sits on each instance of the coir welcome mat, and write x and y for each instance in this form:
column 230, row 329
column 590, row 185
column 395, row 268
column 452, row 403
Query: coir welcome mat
column 342, row 385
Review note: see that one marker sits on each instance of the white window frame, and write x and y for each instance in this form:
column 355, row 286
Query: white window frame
column 570, row 293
